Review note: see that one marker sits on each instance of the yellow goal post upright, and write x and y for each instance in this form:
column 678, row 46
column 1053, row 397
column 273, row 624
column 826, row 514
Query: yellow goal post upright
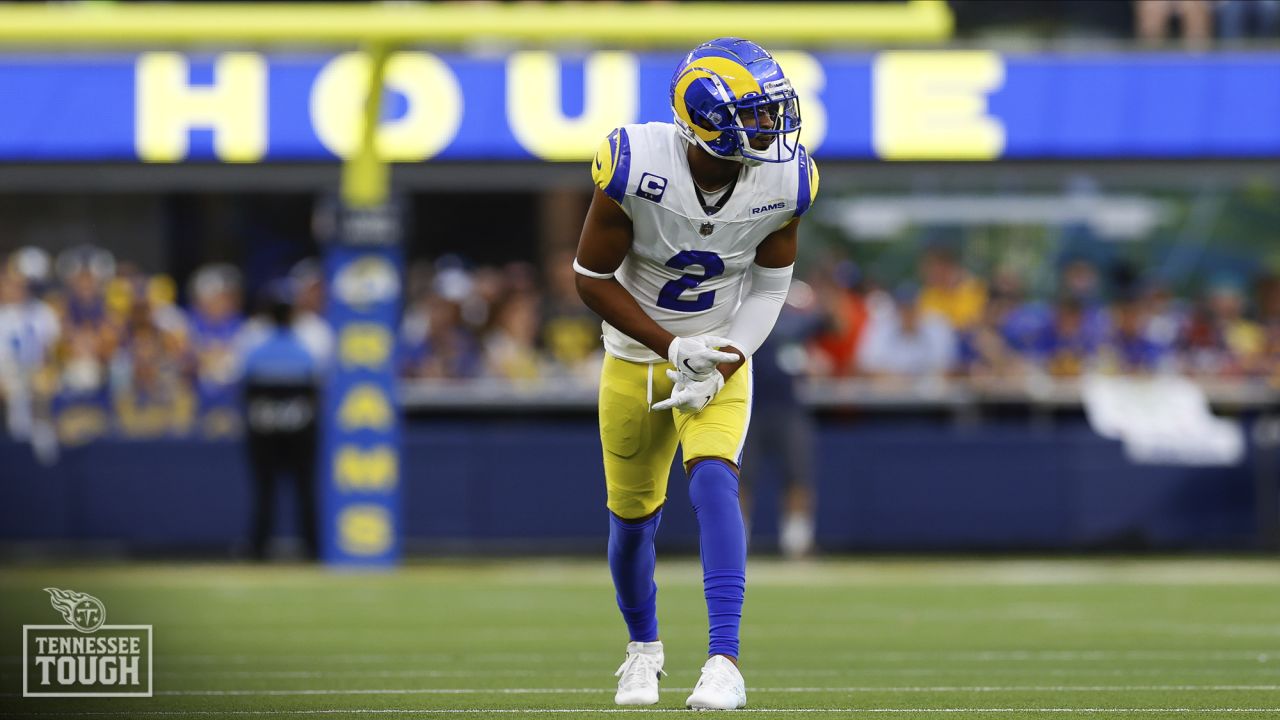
column 360, row 456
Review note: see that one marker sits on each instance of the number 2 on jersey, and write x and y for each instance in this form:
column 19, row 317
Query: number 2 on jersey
column 669, row 297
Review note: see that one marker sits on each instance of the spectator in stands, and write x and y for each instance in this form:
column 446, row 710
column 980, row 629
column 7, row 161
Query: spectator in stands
column 215, row 326
column 511, row 345
column 29, row 330
column 1219, row 340
column 1236, row 340
column 1126, row 348
column 435, row 343
column 35, row 265
column 990, row 349
column 81, row 303
column 1080, row 281
column 151, row 397
column 477, row 292
column 307, row 286
column 570, row 331
column 1194, row 18
column 1240, row 19
column 145, row 304
column 905, row 340
column 1268, row 292
column 81, row 405
column 949, row 289
column 836, row 288
column 1069, row 348
column 1166, row 317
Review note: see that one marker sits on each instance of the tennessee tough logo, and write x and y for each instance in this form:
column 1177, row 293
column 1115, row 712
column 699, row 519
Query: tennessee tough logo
column 85, row 657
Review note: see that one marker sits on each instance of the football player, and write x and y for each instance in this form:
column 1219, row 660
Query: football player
column 682, row 214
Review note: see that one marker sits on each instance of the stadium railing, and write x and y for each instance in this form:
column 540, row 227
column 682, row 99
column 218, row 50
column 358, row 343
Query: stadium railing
column 494, row 395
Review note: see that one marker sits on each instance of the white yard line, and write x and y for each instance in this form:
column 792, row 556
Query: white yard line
column 602, row 690
column 848, row 712
column 1261, row 655
column 1266, row 668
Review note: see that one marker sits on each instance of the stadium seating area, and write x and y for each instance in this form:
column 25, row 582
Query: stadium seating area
column 90, row 345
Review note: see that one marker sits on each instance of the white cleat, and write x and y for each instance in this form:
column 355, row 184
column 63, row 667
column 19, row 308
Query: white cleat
column 639, row 674
column 720, row 687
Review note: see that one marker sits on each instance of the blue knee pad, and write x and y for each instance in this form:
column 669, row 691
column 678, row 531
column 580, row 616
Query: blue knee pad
column 713, row 488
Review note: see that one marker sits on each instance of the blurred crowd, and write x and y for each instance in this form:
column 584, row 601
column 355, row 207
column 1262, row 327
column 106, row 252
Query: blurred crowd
column 950, row 322
column 92, row 346
column 1196, row 24
column 515, row 322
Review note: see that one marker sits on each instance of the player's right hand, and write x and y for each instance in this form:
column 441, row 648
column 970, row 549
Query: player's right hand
column 698, row 356
column 691, row 395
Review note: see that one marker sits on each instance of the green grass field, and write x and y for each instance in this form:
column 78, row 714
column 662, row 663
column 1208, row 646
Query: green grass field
column 851, row 639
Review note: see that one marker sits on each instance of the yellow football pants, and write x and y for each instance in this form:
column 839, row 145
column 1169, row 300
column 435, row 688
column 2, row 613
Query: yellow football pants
column 639, row 444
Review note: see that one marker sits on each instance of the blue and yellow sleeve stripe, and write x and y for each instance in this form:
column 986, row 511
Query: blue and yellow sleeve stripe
column 808, row 185
column 612, row 165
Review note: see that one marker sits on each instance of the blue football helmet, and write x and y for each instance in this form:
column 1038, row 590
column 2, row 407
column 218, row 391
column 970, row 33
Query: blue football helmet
column 730, row 97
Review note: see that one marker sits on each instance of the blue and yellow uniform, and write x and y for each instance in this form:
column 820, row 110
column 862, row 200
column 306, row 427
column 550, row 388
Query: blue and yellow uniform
column 686, row 269
column 691, row 251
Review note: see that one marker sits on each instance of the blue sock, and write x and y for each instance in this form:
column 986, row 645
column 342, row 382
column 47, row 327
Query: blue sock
column 631, row 560
column 713, row 488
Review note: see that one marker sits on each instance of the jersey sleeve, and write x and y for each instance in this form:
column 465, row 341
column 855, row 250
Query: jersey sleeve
column 808, row 182
column 612, row 165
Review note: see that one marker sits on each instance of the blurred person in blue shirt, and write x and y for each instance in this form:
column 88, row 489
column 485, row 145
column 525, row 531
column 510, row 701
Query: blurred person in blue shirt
column 996, row 348
column 1127, row 348
column 1069, row 345
column 435, row 340
column 281, row 381
column 904, row 341
column 215, row 323
column 305, row 286
column 84, row 272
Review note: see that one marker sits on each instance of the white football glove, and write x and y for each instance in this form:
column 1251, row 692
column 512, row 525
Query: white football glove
column 691, row 395
column 698, row 357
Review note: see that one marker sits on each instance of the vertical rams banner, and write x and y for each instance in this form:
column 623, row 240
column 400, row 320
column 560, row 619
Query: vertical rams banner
column 249, row 107
column 360, row 450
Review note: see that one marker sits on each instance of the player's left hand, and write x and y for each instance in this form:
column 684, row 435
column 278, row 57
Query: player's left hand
column 691, row 395
column 697, row 357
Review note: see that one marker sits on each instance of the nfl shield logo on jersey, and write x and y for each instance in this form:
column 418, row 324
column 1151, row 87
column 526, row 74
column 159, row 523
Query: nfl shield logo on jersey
column 706, row 229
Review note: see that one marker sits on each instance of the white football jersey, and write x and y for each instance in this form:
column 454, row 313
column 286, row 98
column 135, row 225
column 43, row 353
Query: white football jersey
column 686, row 268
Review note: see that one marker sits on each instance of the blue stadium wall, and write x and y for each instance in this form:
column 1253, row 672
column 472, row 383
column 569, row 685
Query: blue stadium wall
column 527, row 484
